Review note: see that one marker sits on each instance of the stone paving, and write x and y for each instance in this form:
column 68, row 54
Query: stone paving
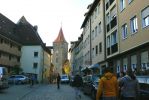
column 50, row 92
column 40, row 92
column 16, row 92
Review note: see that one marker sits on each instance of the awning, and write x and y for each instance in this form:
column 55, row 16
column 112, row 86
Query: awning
column 94, row 66
column 85, row 69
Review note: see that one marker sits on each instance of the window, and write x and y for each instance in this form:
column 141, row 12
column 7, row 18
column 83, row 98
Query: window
column 122, row 4
column 125, row 68
column 56, row 60
column 35, row 54
column 124, row 31
column 2, row 41
column 95, row 31
column 92, row 34
column 134, row 24
column 113, row 13
column 18, row 59
column 19, row 48
column 99, row 28
column 118, row 66
column 133, row 62
column 145, row 17
column 93, row 54
column 100, row 47
column 114, row 38
column 108, row 18
column 96, row 49
column 10, row 57
column 35, row 65
column 108, row 41
column 118, row 69
column 146, row 21
column 98, row 9
column 96, row 13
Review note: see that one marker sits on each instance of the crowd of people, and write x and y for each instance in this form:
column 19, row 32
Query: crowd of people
column 111, row 87
column 124, row 87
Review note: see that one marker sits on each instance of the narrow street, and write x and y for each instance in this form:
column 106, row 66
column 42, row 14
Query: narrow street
column 40, row 92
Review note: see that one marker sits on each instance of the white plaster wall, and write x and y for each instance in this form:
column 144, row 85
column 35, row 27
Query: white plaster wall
column 27, row 60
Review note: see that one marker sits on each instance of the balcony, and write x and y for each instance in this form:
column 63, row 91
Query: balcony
column 10, row 50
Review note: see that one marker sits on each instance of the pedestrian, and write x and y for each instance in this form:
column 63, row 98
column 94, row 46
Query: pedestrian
column 129, row 86
column 58, row 80
column 32, row 79
column 108, row 86
column 121, row 74
column 78, row 82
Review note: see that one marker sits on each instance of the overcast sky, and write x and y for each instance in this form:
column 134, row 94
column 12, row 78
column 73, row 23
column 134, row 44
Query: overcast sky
column 48, row 16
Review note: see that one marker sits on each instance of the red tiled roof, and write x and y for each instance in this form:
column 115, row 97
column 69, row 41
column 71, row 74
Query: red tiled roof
column 60, row 38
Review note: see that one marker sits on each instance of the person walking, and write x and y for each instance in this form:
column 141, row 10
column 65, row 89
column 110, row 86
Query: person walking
column 58, row 80
column 78, row 82
column 121, row 74
column 129, row 87
column 32, row 79
column 108, row 86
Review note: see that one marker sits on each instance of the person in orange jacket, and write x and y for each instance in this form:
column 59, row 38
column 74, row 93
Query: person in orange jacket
column 108, row 86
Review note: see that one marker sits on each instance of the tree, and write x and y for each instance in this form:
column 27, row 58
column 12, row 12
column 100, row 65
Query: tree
column 17, row 70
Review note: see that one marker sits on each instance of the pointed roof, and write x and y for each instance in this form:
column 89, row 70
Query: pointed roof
column 60, row 38
column 23, row 20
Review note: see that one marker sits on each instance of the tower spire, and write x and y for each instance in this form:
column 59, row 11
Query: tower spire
column 60, row 37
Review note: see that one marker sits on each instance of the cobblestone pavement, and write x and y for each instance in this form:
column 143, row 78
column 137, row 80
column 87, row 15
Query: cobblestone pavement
column 50, row 92
column 16, row 92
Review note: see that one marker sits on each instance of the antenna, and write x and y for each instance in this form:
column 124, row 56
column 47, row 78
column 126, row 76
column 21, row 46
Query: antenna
column 61, row 24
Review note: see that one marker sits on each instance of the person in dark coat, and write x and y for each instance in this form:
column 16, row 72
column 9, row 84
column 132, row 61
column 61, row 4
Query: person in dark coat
column 58, row 81
column 78, row 82
column 129, row 86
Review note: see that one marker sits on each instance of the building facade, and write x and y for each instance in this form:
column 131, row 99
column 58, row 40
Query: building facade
column 10, row 47
column 21, row 47
column 94, row 35
column 133, row 36
column 123, row 38
column 76, row 58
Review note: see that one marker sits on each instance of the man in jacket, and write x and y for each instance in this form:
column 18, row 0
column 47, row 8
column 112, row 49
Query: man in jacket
column 78, row 82
column 108, row 86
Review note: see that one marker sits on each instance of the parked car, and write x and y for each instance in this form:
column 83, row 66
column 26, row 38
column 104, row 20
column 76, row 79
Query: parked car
column 90, row 85
column 18, row 79
column 64, row 78
column 3, row 78
column 144, row 87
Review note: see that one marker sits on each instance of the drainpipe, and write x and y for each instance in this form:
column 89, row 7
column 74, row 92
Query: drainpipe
column 90, row 43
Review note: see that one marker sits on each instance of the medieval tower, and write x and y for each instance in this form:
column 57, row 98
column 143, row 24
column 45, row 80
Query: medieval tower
column 60, row 51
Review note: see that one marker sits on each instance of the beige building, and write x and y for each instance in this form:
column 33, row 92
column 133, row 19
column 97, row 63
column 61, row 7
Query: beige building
column 98, row 33
column 94, row 35
column 133, row 28
column 124, row 38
